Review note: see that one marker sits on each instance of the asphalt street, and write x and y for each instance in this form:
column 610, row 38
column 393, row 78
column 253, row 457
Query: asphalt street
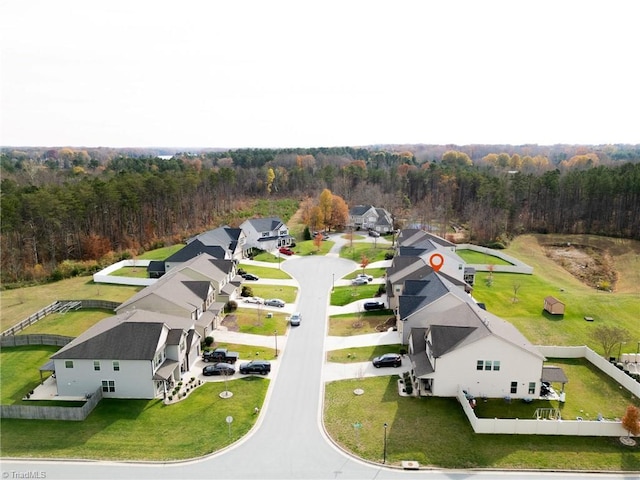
column 288, row 441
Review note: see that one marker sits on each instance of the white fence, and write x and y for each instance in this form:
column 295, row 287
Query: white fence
column 103, row 276
column 516, row 265
column 587, row 428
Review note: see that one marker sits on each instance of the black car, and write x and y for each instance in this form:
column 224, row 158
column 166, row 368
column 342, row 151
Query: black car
column 255, row 366
column 250, row 276
column 388, row 360
column 219, row 369
column 373, row 305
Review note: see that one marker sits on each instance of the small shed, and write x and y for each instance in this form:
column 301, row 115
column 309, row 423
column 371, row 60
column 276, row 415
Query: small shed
column 553, row 306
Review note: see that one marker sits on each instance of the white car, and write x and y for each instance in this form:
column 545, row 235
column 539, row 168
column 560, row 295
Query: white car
column 368, row 278
column 359, row 281
column 256, row 300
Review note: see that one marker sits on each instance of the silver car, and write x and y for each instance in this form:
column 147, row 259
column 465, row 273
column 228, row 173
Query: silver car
column 274, row 302
column 295, row 319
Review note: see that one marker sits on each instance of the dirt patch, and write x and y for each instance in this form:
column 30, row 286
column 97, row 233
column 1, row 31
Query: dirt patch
column 592, row 266
column 231, row 323
column 383, row 327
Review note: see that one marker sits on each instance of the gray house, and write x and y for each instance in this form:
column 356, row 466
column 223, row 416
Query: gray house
column 368, row 217
column 136, row 354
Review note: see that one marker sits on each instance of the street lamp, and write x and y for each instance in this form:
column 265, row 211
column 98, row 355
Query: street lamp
column 384, row 455
column 333, row 281
column 275, row 335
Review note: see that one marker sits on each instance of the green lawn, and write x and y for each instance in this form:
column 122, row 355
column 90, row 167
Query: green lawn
column 374, row 272
column 478, row 258
column 161, row 253
column 129, row 429
column 71, row 324
column 357, row 250
column 19, row 373
column 344, row 295
column 248, row 352
column 257, row 321
column 362, row 354
column 134, row 272
column 435, row 432
column 286, row 293
column 265, row 272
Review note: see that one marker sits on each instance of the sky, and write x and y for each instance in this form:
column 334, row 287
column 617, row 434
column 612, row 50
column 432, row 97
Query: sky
column 277, row 74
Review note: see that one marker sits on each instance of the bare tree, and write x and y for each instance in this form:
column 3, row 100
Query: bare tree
column 516, row 287
column 609, row 336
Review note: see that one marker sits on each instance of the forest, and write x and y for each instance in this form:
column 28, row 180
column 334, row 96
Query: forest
column 62, row 205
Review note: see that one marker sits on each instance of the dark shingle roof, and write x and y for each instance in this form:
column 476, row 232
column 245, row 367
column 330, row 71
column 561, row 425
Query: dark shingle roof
column 195, row 248
column 446, row 338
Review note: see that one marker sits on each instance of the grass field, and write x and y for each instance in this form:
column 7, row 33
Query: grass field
column 357, row 324
column 478, row 258
column 347, row 294
column 435, row 431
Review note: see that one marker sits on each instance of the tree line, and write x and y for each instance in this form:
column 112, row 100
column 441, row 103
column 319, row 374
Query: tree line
column 79, row 207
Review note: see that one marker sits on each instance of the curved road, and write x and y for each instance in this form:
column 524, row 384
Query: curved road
column 288, row 442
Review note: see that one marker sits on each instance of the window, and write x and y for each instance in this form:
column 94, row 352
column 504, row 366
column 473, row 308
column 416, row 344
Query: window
column 116, row 366
column 479, row 364
column 96, row 365
column 68, row 364
column 514, row 387
column 108, row 385
column 496, row 365
column 532, row 388
column 487, row 364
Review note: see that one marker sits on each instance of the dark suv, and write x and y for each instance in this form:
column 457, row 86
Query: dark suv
column 373, row 305
column 255, row 366
column 388, row 360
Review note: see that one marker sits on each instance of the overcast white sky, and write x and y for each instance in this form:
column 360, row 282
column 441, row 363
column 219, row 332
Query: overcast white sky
column 127, row 73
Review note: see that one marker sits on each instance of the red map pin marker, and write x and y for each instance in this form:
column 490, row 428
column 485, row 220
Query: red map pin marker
column 436, row 261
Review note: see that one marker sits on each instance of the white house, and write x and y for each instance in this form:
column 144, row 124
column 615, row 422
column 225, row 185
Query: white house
column 137, row 354
column 266, row 234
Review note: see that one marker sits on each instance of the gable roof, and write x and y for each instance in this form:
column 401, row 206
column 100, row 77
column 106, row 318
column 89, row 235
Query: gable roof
column 225, row 237
column 133, row 335
column 195, row 248
column 269, row 224
column 359, row 210
column 447, row 337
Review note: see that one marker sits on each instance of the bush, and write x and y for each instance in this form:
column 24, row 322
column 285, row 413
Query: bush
column 247, row 291
column 231, row 306
column 208, row 341
column 388, row 255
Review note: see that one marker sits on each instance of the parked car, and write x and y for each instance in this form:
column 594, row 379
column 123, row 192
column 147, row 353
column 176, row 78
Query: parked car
column 388, row 360
column 374, row 305
column 220, row 355
column 250, row 276
column 274, row 302
column 218, row 369
column 373, row 233
column 295, row 319
column 255, row 366
column 256, row 300
column 359, row 281
column 368, row 278
column 285, row 251
column 324, row 235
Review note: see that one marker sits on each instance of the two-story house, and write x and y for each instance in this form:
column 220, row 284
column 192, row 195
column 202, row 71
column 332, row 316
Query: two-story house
column 266, row 234
column 368, row 217
column 136, row 354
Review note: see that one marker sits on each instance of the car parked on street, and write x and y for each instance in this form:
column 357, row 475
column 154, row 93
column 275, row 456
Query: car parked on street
column 388, row 360
column 274, row 302
column 359, row 281
column 373, row 305
column 285, row 251
column 255, row 366
column 373, row 233
column 250, row 276
column 256, row 300
column 218, row 369
column 295, row 319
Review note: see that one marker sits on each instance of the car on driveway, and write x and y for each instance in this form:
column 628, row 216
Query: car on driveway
column 373, row 233
column 295, row 319
column 256, row 300
column 285, row 251
column 250, row 276
column 219, row 369
column 359, row 281
column 274, row 302
column 372, row 305
column 255, row 366
column 368, row 278
column 388, row 360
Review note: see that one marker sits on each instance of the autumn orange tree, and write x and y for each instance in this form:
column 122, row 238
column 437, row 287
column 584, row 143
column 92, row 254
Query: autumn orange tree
column 631, row 421
column 364, row 262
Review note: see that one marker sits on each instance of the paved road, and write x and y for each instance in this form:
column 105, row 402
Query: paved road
column 289, row 442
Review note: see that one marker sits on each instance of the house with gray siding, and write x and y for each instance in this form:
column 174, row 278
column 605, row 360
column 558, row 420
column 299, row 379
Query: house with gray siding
column 136, row 354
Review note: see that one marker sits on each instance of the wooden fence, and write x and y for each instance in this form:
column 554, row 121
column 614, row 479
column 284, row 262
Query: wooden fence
column 34, row 412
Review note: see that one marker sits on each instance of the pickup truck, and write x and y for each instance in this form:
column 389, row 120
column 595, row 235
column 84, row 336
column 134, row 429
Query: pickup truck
column 221, row 355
